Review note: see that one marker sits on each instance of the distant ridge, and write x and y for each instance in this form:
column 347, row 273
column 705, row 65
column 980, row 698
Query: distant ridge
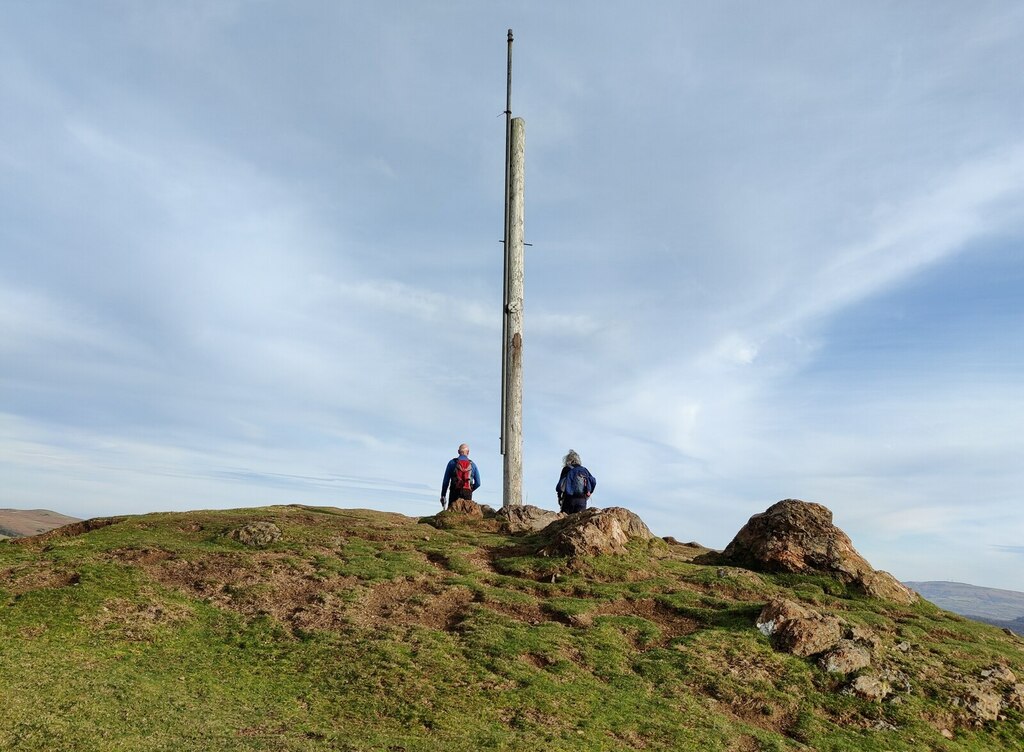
column 1002, row 608
column 18, row 523
column 1016, row 626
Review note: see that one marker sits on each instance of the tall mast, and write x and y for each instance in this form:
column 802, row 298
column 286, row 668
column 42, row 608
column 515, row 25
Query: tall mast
column 512, row 307
column 505, row 243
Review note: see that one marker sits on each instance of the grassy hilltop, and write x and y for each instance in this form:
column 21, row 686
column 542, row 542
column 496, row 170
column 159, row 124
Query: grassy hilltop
column 362, row 630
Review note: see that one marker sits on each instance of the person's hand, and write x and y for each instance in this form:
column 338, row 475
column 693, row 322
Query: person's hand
column 442, row 501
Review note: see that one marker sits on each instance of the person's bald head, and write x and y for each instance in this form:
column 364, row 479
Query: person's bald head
column 464, row 449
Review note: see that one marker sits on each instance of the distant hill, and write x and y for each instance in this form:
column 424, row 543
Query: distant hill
column 1002, row 608
column 16, row 523
column 1016, row 626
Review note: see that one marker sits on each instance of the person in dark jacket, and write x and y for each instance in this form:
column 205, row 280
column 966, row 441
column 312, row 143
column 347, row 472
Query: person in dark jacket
column 575, row 484
column 462, row 475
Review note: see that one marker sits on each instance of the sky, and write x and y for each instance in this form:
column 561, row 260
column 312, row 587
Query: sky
column 250, row 254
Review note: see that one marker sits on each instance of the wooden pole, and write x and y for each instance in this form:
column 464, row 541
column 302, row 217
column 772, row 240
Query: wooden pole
column 513, row 430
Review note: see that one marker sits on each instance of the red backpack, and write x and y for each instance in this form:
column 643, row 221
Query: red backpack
column 463, row 478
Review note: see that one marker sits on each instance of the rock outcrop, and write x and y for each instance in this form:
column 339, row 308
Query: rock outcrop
column 983, row 702
column 794, row 628
column 256, row 534
column 994, row 691
column 999, row 673
column 595, row 531
column 798, row 536
column 467, row 507
column 1015, row 697
column 525, row 519
column 870, row 688
column 846, row 657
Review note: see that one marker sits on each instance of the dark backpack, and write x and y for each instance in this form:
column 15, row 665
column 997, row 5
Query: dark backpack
column 463, row 477
column 576, row 482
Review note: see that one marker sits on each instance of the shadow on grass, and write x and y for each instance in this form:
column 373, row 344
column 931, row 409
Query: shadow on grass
column 734, row 617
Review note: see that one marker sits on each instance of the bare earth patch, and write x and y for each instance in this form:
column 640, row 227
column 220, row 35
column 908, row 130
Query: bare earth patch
column 671, row 623
column 143, row 557
column 410, row 602
column 24, row 579
column 528, row 613
column 271, row 584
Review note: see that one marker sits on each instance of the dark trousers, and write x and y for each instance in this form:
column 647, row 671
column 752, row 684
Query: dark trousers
column 573, row 504
column 454, row 493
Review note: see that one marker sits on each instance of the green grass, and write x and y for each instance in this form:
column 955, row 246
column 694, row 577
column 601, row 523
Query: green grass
column 367, row 631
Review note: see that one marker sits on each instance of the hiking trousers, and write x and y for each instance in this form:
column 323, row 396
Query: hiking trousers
column 574, row 504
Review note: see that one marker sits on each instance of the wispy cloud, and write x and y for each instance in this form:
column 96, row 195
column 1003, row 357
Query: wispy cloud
column 247, row 268
column 1019, row 550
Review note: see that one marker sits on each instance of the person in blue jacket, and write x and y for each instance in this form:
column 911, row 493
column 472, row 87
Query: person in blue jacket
column 461, row 477
column 575, row 484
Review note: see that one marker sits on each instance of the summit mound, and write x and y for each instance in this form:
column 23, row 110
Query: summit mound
column 301, row 628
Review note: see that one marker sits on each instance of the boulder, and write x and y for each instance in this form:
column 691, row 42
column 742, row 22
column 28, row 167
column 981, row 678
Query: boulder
column 467, row 507
column 999, row 673
column 777, row 612
column 794, row 628
column 983, row 703
column 845, row 658
column 864, row 637
column 795, row 536
column 869, row 688
column 595, row 531
column 256, row 534
column 798, row 536
column 526, row 519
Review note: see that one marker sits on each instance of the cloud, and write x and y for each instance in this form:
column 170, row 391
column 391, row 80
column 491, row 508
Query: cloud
column 263, row 266
column 403, row 300
column 32, row 320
